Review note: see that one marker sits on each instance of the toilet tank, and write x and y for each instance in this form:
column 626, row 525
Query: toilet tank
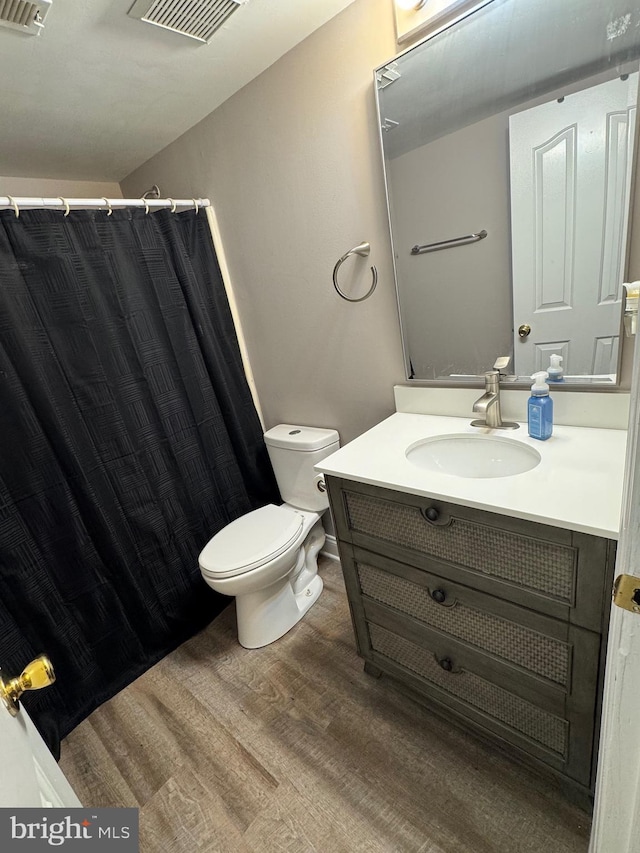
column 293, row 451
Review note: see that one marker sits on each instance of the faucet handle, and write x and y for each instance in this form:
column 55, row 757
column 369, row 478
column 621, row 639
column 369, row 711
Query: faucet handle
column 501, row 363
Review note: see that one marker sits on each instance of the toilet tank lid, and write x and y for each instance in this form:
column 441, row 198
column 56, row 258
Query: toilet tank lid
column 300, row 437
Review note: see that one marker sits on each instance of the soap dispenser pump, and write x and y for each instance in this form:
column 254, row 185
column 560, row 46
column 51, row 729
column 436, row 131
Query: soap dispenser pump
column 540, row 408
column 555, row 370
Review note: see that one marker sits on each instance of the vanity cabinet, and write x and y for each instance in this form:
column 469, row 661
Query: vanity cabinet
column 495, row 620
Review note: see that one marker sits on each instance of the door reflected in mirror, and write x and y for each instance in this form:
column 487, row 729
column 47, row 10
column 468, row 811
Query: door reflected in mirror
column 570, row 172
column 520, row 125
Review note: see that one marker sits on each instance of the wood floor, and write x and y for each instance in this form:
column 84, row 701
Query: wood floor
column 293, row 748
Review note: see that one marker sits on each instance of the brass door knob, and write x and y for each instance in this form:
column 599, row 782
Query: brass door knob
column 37, row 674
column 524, row 330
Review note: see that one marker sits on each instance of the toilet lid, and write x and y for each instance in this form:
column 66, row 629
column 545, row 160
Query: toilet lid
column 250, row 541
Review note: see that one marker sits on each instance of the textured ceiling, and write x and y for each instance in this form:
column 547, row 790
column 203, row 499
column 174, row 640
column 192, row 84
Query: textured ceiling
column 98, row 93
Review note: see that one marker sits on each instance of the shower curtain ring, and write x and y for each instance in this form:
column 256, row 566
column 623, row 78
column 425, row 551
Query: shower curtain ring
column 14, row 204
column 67, row 209
column 146, row 204
column 173, row 205
column 108, row 203
column 196, row 207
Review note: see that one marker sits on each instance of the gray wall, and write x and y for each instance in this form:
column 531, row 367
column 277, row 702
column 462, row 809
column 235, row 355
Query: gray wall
column 292, row 166
column 457, row 309
column 52, row 188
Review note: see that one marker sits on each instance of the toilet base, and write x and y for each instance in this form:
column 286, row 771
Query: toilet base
column 268, row 614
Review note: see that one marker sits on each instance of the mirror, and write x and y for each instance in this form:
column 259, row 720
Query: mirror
column 508, row 142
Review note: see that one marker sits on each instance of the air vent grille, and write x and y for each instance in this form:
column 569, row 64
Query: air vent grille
column 22, row 16
column 198, row 19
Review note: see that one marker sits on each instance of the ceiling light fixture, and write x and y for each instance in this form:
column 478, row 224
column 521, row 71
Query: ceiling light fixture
column 410, row 5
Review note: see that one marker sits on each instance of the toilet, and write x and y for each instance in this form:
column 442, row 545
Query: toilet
column 268, row 558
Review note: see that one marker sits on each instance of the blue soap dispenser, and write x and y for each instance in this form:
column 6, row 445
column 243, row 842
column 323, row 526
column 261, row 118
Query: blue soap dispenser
column 540, row 408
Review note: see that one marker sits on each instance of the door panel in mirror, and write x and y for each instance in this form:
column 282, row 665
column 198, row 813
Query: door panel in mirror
column 570, row 174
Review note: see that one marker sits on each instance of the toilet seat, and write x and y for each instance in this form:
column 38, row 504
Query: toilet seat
column 251, row 541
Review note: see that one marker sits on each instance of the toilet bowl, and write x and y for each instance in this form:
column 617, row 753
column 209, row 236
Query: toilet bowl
column 268, row 558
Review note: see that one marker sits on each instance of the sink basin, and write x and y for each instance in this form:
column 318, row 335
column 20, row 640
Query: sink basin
column 473, row 456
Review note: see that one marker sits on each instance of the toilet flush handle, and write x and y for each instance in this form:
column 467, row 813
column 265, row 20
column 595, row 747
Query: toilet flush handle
column 321, row 486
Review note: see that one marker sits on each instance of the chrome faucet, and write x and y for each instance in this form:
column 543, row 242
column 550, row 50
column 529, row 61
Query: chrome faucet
column 489, row 404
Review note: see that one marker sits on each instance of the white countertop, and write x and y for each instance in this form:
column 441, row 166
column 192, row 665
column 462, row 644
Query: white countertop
column 577, row 485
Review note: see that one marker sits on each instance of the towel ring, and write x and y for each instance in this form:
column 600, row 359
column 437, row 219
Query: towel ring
column 363, row 250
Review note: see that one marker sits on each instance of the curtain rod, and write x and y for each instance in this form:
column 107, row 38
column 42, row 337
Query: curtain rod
column 18, row 203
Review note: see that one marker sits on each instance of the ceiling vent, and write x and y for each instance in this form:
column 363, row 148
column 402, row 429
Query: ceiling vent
column 24, row 17
column 198, row 19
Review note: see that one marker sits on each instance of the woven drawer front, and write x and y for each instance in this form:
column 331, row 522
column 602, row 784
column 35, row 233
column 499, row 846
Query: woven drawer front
column 536, row 652
column 543, row 566
column 517, row 713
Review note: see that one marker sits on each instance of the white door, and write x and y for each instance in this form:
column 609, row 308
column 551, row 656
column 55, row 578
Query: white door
column 30, row 775
column 571, row 165
column 616, row 818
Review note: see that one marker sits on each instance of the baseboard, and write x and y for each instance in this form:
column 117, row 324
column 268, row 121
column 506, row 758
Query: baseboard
column 330, row 548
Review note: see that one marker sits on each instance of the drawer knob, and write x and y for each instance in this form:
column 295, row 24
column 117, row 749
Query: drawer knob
column 446, row 664
column 439, row 595
column 432, row 514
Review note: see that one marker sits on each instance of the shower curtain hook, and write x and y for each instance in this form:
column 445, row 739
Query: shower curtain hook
column 67, row 209
column 108, row 203
column 14, row 204
column 146, row 204
column 195, row 205
column 173, row 205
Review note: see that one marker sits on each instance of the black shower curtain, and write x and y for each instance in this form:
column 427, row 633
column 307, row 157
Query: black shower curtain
column 128, row 437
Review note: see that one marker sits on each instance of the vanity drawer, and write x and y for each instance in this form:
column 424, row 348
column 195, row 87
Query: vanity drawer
column 551, row 570
column 543, row 733
column 537, row 645
column 556, row 732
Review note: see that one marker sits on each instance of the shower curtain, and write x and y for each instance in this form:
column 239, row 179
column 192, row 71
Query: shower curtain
column 128, row 437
